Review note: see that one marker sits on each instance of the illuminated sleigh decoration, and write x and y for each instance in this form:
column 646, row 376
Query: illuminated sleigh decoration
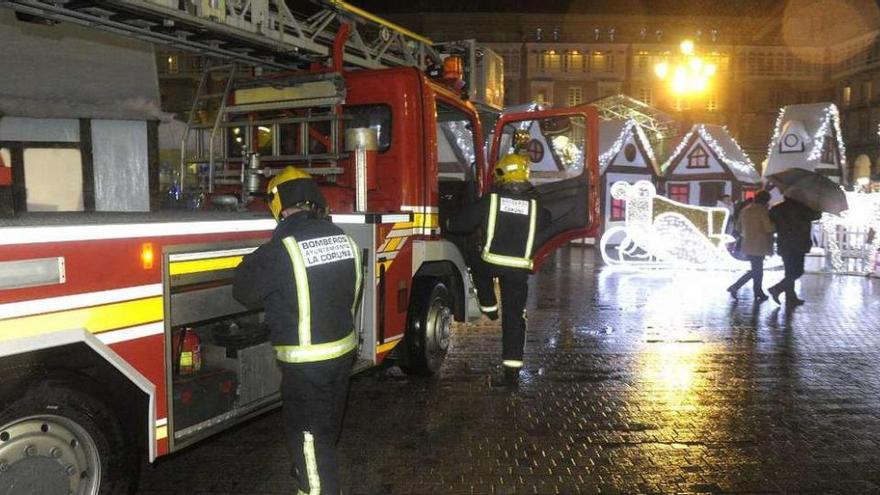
column 661, row 232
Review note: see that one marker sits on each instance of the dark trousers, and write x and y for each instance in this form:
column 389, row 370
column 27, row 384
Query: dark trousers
column 313, row 400
column 756, row 275
column 514, row 292
column 794, row 268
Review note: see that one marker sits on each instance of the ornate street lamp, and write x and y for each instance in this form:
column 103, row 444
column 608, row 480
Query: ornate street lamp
column 686, row 73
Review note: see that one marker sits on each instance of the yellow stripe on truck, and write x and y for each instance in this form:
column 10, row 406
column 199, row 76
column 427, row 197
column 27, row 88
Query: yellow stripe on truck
column 95, row 319
column 206, row 265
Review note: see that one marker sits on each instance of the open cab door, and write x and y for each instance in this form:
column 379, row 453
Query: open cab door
column 564, row 165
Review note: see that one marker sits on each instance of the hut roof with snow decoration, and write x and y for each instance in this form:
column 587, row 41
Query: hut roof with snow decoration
column 710, row 157
column 623, row 143
column 625, row 155
column 808, row 136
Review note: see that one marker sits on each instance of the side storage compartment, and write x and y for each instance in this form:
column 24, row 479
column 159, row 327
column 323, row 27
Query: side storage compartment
column 221, row 365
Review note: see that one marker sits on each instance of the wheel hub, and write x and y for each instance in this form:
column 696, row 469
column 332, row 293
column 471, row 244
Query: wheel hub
column 47, row 454
column 439, row 328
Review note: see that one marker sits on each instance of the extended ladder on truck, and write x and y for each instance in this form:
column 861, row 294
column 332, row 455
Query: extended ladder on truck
column 263, row 33
column 266, row 35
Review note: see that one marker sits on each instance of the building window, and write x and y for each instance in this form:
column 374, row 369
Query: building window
column 712, row 102
column 828, row 150
column 576, row 61
column 172, row 66
column 778, row 96
column 867, row 91
column 646, row 95
column 575, row 96
column 598, row 62
column 698, row 158
column 679, row 192
column 551, row 61
column 541, row 97
column 682, row 103
column 845, row 96
column 618, row 210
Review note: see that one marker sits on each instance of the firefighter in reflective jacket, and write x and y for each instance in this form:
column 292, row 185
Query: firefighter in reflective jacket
column 511, row 218
column 307, row 278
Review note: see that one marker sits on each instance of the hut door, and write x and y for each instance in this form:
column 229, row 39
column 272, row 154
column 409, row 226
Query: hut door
column 710, row 193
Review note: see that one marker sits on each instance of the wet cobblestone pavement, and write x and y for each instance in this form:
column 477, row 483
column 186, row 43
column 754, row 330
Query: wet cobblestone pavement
column 651, row 382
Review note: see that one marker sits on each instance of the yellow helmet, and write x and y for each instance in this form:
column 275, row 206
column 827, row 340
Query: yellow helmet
column 293, row 187
column 512, row 168
column 520, row 139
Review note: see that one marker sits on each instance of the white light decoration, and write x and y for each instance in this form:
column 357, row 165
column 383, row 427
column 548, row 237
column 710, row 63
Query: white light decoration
column 855, row 232
column 667, row 238
column 746, row 167
column 629, row 127
column 830, row 119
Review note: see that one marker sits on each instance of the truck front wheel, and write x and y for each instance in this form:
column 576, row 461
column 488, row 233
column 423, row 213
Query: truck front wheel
column 55, row 438
column 429, row 324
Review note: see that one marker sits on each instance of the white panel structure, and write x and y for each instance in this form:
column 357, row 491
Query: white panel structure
column 54, row 179
column 39, row 130
column 119, row 154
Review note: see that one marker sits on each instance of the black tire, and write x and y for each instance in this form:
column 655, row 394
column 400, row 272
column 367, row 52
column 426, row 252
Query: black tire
column 56, row 437
column 429, row 323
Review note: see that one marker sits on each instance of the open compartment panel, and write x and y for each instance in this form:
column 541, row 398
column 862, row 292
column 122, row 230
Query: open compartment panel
column 221, row 366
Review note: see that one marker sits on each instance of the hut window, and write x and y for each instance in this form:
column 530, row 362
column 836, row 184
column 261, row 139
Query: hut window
column 679, row 192
column 698, row 158
column 618, row 209
column 828, row 150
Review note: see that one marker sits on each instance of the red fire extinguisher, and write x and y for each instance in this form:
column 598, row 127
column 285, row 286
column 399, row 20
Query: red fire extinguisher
column 189, row 352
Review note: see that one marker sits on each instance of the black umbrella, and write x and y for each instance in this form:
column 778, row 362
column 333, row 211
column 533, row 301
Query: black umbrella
column 814, row 190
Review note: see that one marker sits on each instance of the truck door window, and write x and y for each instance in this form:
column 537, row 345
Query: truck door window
column 376, row 117
column 455, row 144
column 555, row 147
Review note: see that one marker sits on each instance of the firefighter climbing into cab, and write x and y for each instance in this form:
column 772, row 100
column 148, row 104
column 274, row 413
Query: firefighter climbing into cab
column 308, row 279
column 511, row 218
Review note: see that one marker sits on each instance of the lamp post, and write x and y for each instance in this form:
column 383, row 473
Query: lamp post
column 687, row 75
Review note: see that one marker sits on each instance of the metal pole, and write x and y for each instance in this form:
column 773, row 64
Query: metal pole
column 361, row 142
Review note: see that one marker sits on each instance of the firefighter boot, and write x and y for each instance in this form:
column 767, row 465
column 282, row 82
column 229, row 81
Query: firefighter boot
column 509, row 378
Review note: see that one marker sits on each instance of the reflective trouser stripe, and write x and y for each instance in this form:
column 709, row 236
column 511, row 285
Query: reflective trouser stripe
column 488, row 309
column 509, row 261
column 490, row 228
column 533, row 220
column 316, row 352
column 301, row 279
column 312, row 476
column 500, row 259
column 510, row 363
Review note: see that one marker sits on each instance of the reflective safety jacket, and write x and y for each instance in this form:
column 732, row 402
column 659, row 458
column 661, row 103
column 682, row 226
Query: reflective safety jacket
column 512, row 220
column 307, row 278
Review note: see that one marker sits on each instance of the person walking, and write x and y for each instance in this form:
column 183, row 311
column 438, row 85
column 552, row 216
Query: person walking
column 756, row 230
column 793, row 221
column 308, row 279
column 511, row 217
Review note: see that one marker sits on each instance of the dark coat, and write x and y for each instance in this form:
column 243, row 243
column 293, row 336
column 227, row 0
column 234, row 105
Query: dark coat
column 477, row 213
column 793, row 221
column 266, row 278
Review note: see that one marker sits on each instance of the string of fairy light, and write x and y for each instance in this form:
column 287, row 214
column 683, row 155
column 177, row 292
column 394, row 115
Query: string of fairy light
column 745, row 166
column 629, row 127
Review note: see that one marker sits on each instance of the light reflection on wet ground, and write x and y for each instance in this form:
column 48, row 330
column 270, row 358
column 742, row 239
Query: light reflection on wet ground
column 652, row 382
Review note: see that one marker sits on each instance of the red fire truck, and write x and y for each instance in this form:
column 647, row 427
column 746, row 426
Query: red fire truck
column 119, row 336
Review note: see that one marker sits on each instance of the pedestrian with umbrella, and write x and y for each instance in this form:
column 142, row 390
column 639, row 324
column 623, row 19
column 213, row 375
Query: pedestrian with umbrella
column 806, row 194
